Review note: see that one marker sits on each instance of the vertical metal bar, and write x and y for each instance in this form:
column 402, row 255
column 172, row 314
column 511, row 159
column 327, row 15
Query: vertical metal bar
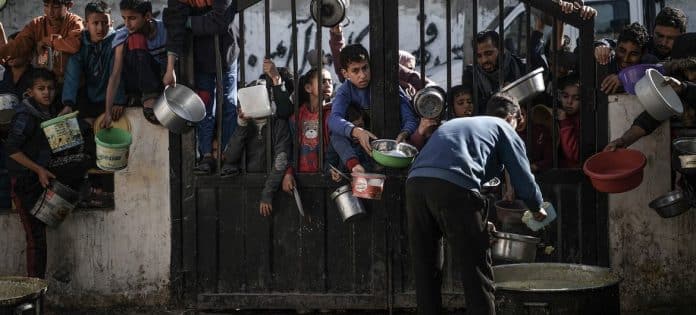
column 421, row 25
column 320, row 84
column 242, row 51
column 269, row 83
column 554, row 89
column 295, row 96
column 219, row 102
column 501, row 40
column 530, row 48
column 448, row 39
column 474, row 48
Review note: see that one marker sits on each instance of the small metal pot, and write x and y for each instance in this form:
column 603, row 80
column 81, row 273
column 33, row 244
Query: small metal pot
column 527, row 86
column 348, row 205
column 671, row 204
column 178, row 108
column 429, row 102
column 332, row 12
column 514, row 247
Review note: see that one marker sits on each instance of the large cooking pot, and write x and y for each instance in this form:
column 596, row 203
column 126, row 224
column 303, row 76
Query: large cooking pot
column 553, row 288
column 20, row 294
column 658, row 99
column 331, row 12
column 510, row 212
column 348, row 205
column 527, row 86
column 429, row 102
column 514, row 247
column 179, row 108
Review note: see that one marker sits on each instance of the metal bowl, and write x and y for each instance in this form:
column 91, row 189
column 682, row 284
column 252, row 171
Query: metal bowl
column 527, row 86
column 429, row 102
column 388, row 153
column 671, row 204
column 514, row 247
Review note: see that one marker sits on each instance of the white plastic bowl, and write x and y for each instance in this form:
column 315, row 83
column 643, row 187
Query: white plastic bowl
column 658, row 99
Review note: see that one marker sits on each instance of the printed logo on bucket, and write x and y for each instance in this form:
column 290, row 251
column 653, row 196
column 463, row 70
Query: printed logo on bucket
column 360, row 184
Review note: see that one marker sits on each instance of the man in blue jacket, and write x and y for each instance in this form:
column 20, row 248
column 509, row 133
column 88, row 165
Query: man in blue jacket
column 442, row 199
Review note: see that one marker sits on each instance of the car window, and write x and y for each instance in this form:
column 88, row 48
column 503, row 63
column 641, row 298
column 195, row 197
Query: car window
column 611, row 18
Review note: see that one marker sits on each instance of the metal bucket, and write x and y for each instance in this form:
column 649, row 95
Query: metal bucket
column 179, row 107
column 55, row 203
column 552, row 288
column 348, row 205
column 20, row 294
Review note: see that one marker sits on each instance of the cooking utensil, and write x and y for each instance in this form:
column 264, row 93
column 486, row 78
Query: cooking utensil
column 348, row 205
column 514, row 247
column 527, row 86
column 388, row 153
column 368, row 185
column 658, row 99
column 20, row 294
column 429, row 102
column 340, row 173
column 555, row 288
column 671, row 204
column 298, row 201
column 8, row 103
column 615, row 171
column 332, row 12
column 510, row 212
column 629, row 76
column 178, row 108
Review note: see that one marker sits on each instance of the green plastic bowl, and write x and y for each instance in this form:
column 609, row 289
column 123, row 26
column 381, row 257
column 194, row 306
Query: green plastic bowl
column 388, row 153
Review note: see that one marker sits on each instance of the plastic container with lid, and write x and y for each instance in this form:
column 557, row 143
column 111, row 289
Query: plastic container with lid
column 255, row 101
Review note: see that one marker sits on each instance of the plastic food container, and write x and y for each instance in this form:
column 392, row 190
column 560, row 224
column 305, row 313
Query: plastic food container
column 368, row 185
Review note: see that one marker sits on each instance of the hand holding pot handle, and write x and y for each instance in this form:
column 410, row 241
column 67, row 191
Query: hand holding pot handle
column 674, row 83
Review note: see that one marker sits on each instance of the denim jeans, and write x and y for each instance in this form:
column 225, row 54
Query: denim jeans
column 206, row 128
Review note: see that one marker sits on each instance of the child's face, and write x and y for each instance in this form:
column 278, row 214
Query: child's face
column 570, row 99
column 358, row 73
column 327, row 87
column 98, row 25
column 134, row 20
column 42, row 92
column 56, row 12
column 463, row 107
column 627, row 54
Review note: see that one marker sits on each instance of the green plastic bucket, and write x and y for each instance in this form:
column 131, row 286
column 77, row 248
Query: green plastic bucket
column 112, row 148
column 62, row 132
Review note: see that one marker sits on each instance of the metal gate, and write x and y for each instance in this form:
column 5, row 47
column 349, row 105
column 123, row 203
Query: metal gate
column 225, row 256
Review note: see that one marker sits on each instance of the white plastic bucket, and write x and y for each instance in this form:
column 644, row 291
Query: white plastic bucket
column 254, row 101
column 62, row 132
column 55, row 203
column 112, row 148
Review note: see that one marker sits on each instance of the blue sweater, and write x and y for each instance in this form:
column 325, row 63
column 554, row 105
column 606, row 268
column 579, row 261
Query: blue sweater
column 94, row 61
column 470, row 151
column 348, row 94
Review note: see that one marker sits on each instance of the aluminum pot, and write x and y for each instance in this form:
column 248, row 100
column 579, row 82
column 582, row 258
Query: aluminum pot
column 659, row 100
column 514, row 247
column 348, row 205
column 21, row 294
column 332, row 12
column 510, row 212
column 179, row 108
column 671, row 204
column 553, row 288
column 527, row 86
column 429, row 102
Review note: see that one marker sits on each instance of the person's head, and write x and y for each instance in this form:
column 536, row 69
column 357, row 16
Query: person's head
column 97, row 20
column 669, row 24
column 355, row 65
column 57, row 10
column 136, row 14
column 682, row 69
column 310, row 88
column 355, row 116
column 43, row 86
column 487, row 50
column 631, row 45
column 569, row 87
column 461, row 101
column 407, row 59
column 504, row 106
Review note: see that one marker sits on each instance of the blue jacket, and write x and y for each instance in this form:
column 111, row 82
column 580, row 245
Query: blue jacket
column 470, row 151
column 94, row 61
column 347, row 94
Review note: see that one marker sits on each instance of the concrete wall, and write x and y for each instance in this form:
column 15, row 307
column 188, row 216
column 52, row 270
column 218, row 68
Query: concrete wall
column 656, row 257
column 108, row 257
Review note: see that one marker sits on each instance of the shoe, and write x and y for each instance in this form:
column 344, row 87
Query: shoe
column 205, row 166
column 229, row 170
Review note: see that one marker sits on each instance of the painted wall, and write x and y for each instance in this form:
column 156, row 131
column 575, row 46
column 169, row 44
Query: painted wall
column 655, row 257
column 107, row 257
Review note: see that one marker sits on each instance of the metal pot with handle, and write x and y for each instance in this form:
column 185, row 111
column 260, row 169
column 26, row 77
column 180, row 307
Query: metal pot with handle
column 332, row 12
column 179, row 108
column 348, row 205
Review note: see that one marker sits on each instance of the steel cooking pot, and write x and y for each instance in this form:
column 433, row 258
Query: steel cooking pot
column 527, row 86
column 510, row 212
column 429, row 102
column 348, row 205
column 671, row 204
column 659, row 100
column 178, row 108
column 514, row 247
column 20, row 294
column 331, row 12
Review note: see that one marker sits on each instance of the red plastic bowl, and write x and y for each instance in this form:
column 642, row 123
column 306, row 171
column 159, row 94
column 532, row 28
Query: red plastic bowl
column 615, row 171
